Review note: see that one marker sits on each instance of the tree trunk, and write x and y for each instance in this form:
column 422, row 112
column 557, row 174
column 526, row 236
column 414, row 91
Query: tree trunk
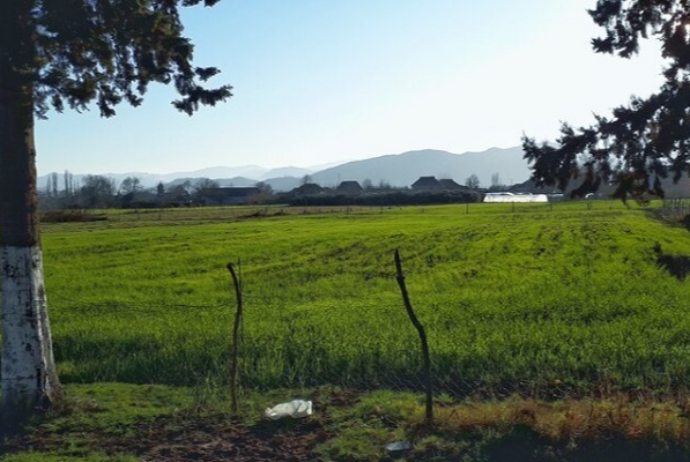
column 28, row 379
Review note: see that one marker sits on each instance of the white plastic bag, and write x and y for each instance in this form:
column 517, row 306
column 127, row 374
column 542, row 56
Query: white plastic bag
column 296, row 409
column 399, row 446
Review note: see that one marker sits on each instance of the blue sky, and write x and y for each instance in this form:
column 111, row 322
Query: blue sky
column 320, row 81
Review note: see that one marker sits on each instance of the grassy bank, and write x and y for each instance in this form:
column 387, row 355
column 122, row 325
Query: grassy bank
column 125, row 423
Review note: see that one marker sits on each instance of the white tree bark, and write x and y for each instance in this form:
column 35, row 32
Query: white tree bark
column 27, row 377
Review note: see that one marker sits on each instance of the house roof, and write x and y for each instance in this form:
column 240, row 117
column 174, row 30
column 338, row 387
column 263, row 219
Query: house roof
column 349, row 187
column 307, row 189
column 450, row 184
column 426, row 182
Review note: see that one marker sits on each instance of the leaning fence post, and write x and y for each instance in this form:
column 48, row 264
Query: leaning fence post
column 422, row 337
column 235, row 340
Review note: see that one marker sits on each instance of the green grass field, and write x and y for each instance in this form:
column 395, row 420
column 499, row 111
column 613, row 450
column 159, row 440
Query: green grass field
column 537, row 299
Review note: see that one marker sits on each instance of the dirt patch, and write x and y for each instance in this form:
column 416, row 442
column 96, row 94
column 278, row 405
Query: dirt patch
column 196, row 435
column 201, row 440
column 194, row 438
column 177, row 439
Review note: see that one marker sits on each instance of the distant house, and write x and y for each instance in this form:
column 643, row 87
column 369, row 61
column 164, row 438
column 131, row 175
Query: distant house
column 450, row 185
column 427, row 183
column 349, row 188
column 227, row 196
column 308, row 189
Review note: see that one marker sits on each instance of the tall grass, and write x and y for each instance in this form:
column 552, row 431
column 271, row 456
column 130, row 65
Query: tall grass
column 537, row 298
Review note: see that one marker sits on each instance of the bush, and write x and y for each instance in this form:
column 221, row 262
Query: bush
column 71, row 216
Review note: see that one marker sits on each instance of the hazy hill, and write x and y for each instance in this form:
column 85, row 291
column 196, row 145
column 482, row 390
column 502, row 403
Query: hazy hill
column 246, row 171
column 282, row 172
column 284, row 183
column 404, row 169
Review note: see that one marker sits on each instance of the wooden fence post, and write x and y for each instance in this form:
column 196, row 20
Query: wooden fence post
column 235, row 340
column 422, row 337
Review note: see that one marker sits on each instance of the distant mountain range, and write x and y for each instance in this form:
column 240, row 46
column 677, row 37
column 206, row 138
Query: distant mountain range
column 395, row 169
column 404, row 169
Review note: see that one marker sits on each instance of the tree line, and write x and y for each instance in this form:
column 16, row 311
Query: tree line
column 100, row 191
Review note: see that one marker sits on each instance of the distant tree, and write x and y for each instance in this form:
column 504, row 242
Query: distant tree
column 130, row 186
column 264, row 188
column 97, row 190
column 70, row 187
column 472, row 181
column 182, row 191
column 306, row 179
column 384, row 185
column 49, row 185
column 495, row 180
column 52, row 184
column 160, row 188
column 367, row 184
column 66, row 183
column 643, row 142
column 265, row 193
column 204, row 183
column 55, row 179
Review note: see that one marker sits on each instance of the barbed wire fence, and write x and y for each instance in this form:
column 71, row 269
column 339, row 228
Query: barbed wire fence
column 363, row 348
column 676, row 209
column 301, row 345
column 250, row 212
column 332, row 357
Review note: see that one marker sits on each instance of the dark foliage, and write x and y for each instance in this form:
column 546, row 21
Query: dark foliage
column 71, row 216
column 108, row 52
column 386, row 199
column 678, row 266
column 642, row 142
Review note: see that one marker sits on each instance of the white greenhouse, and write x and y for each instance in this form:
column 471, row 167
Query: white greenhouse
column 510, row 197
